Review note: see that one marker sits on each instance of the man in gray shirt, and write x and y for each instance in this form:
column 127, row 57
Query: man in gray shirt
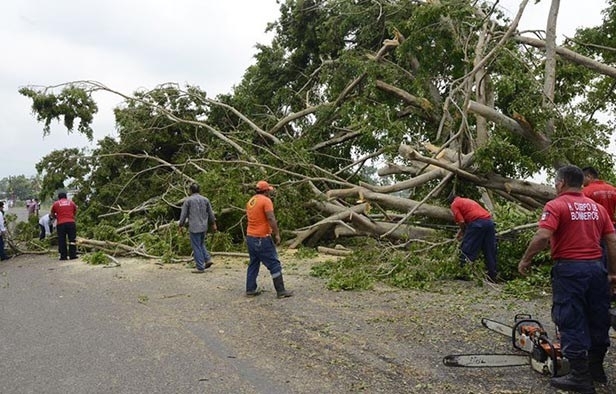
column 198, row 211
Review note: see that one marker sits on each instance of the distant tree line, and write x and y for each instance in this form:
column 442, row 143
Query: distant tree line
column 19, row 187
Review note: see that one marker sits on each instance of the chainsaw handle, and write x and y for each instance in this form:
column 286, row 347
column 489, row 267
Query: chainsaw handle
column 515, row 329
column 522, row 316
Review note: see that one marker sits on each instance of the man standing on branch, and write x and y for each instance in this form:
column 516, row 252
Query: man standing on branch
column 573, row 226
column 64, row 211
column 477, row 232
column 262, row 226
column 199, row 213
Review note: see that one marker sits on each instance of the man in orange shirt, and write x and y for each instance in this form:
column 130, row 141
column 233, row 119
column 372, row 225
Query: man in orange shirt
column 262, row 226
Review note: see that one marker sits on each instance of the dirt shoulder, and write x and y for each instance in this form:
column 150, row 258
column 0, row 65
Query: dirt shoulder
column 319, row 341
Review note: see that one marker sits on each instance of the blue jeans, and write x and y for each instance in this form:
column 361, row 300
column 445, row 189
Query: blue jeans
column 581, row 300
column 261, row 250
column 480, row 235
column 201, row 255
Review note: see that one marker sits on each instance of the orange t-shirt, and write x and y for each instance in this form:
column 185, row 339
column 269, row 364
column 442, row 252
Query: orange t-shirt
column 256, row 207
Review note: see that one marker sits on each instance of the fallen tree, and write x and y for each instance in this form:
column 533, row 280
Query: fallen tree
column 365, row 129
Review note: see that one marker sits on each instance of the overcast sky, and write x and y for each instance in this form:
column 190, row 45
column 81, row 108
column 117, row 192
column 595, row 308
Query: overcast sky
column 132, row 44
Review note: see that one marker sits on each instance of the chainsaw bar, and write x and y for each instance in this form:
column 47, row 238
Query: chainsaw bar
column 486, row 360
column 497, row 327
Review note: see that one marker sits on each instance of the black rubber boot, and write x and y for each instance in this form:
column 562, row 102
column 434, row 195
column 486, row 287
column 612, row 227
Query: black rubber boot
column 253, row 293
column 279, row 286
column 595, row 366
column 578, row 380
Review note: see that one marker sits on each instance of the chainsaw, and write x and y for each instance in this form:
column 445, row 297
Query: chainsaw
column 528, row 336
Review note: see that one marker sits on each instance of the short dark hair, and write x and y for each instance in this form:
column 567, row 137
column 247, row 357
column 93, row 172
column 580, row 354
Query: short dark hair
column 61, row 195
column 571, row 175
column 194, row 188
column 590, row 171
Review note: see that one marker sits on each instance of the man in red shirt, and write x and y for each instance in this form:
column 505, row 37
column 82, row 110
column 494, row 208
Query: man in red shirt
column 573, row 225
column 601, row 192
column 477, row 232
column 64, row 211
column 262, row 226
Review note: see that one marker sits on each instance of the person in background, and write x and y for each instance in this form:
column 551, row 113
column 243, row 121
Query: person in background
column 262, row 226
column 601, row 192
column 64, row 211
column 32, row 207
column 3, row 255
column 197, row 210
column 45, row 226
column 477, row 232
column 572, row 225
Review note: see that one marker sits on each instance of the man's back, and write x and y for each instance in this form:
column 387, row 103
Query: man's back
column 578, row 224
column 257, row 206
column 198, row 211
column 466, row 210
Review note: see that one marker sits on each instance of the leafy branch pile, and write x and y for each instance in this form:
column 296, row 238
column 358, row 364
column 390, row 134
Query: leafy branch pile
column 365, row 115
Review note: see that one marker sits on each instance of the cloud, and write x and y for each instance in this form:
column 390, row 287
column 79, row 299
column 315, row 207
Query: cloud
column 126, row 45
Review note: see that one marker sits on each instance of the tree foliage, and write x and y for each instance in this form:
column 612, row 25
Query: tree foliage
column 366, row 114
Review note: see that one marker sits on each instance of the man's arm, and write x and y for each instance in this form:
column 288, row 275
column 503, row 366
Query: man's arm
column 211, row 216
column 461, row 231
column 271, row 219
column 184, row 213
column 610, row 242
column 539, row 242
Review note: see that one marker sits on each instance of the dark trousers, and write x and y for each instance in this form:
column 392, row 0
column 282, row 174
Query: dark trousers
column 42, row 231
column 604, row 249
column 480, row 235
column 3, row 255
column 581, row 300
column 67, row 230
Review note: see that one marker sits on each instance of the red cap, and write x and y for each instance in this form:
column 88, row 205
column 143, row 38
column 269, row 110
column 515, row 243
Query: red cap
column 263, row 186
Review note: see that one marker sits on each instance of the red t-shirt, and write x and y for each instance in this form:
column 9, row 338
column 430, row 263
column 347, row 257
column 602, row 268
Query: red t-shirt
column 257, row 206
column 466, row 210
column 64, row 210
column 603, row 193
column 578, row 224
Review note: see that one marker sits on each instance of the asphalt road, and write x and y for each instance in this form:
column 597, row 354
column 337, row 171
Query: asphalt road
column 71, row 328
column 68, row 327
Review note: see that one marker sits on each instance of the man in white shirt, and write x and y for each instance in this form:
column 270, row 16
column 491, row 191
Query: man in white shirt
column 46, row 226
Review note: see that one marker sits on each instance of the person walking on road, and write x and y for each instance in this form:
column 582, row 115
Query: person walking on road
column 197, row 211
column 3, row 255
column 64, row 211
column 573, row 225
column 262, row 236
column 477, row 232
